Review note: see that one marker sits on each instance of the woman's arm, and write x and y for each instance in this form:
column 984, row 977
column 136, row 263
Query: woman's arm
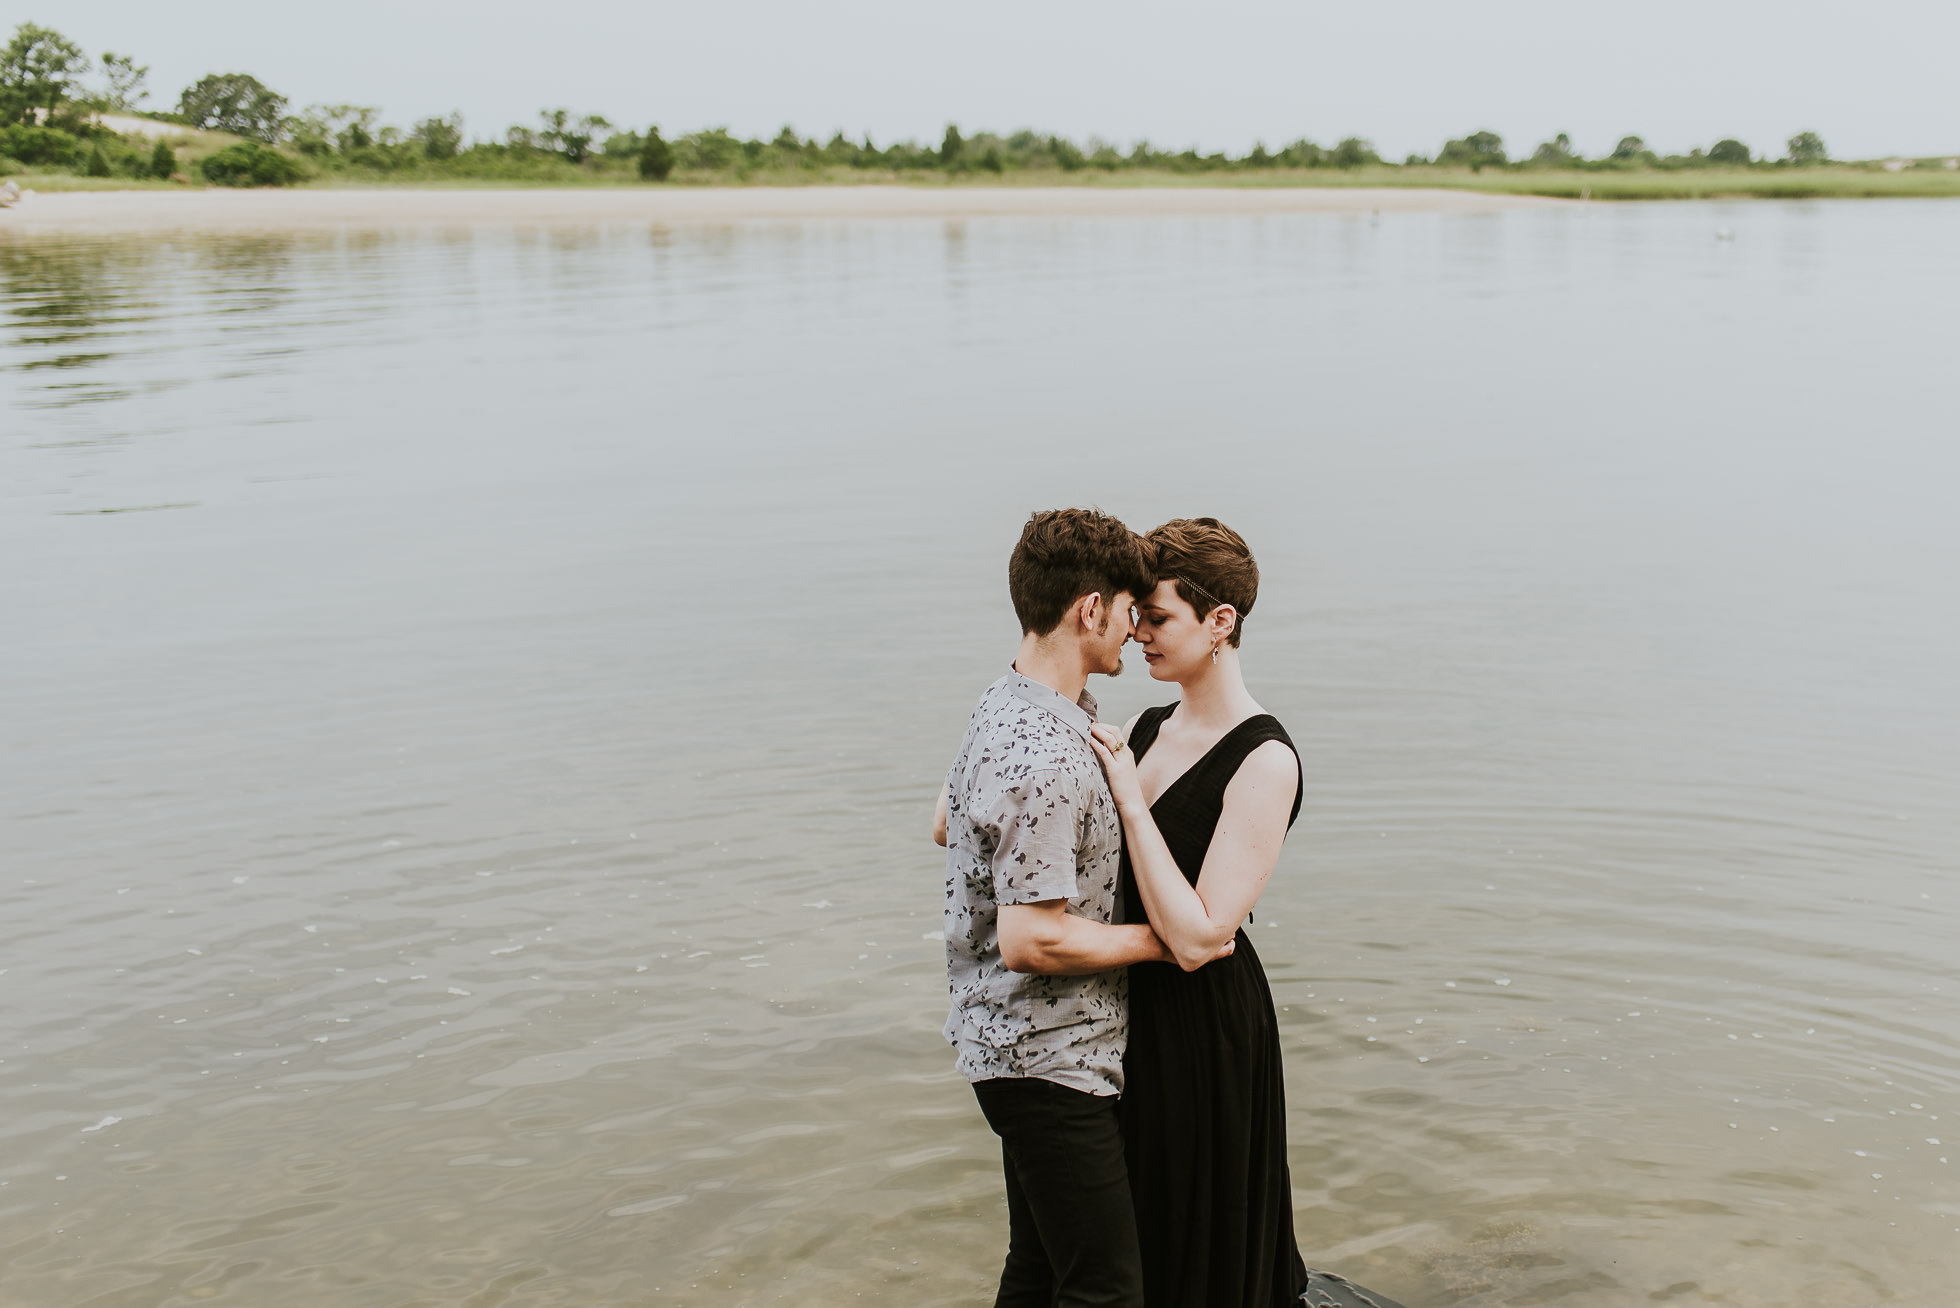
column 1195, row 920
column 939, row 817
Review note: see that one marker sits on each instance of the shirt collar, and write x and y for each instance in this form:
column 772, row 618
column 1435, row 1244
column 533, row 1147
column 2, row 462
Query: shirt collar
column 1079, row 715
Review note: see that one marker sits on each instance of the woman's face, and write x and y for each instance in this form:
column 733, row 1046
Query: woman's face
column 1176, row 642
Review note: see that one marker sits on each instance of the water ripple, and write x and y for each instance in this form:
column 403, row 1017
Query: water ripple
column 479, row 851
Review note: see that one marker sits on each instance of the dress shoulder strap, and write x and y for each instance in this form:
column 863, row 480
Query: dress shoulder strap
column 1144, row 734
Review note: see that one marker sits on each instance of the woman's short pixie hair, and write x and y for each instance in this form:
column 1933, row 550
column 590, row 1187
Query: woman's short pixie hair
column 1064, row 554
column 1211, row 565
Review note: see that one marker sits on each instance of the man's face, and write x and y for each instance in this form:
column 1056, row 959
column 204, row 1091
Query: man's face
column 1117, row 627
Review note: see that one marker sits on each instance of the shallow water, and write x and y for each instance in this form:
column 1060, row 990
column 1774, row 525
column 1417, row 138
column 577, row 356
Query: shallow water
column 472, row 702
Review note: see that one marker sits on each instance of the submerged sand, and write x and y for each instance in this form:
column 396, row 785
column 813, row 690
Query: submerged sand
column 270, row 210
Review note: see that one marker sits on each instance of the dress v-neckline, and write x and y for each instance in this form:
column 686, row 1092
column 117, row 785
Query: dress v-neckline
column 1203, row 758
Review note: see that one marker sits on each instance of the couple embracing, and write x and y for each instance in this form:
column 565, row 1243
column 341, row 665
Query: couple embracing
column 1114, row 1020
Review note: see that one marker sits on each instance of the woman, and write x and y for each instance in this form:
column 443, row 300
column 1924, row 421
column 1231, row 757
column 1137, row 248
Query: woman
column 1207, row 789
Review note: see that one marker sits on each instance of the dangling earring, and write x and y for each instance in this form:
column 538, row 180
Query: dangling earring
column 1214, row 655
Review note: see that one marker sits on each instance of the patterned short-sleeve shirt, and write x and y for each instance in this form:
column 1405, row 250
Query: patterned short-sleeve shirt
column 1029, row 818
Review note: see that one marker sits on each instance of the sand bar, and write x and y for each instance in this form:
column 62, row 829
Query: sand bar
column 271, row 210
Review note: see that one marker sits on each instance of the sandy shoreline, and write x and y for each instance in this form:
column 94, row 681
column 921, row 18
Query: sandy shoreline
column 269, row 210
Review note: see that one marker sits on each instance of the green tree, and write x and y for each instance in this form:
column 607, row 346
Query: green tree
column 315, row 130
column 1629, row 148
column 556, row 122
column 250, row 164
column 163, row 160
column 98, row 163
column 569, row 136
column 1808, row 148
column 991, row 160
column 1354, row 153
column 1302, row 154
column 1473, row 151
column 358, row 134
column 950, row 146
column 711, row 150
column 656, row 159
column 49, row 146
column 440, row 138
column 39, row 68
column 235, row 103
column 1728, row 150
column 124, row 79
column 622, row 145
column 1555, row 153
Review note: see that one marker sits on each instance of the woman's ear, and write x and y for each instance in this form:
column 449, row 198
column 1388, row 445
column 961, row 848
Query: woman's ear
column 1223, row 619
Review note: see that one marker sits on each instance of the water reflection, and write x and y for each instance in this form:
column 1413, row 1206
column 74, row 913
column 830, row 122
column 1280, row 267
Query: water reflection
column 127, row 299
column 60, row 299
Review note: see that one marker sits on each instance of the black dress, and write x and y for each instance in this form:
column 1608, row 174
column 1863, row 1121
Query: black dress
column 1204, row 1098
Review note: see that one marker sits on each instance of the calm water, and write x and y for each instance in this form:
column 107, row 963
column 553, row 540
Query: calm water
column 472, row 702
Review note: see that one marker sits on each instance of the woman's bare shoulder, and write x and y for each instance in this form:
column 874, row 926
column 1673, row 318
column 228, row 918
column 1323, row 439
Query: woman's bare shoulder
column 1273, row 756
column 1271, row 766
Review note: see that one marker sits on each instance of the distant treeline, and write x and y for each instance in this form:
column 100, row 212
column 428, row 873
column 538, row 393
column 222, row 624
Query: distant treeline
column 50, row 111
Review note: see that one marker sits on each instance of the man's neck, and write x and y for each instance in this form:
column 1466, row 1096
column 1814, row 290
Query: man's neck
column 1054, row 665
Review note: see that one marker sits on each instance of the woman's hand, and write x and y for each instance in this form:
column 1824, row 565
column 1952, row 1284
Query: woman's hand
column 1120, row 766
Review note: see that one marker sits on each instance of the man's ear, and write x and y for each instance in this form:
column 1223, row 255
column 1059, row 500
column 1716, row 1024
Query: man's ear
column 1086, row 609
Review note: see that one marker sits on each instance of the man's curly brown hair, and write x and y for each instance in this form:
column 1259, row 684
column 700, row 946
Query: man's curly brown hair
column 1064, row 554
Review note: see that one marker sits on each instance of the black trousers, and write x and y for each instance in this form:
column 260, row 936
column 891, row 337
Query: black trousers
column 1072, row 1232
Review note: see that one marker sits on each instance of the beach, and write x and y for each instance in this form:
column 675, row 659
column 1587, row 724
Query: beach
column 282, row 210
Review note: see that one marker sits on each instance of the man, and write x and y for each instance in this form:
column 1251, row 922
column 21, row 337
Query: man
column 1033, row 957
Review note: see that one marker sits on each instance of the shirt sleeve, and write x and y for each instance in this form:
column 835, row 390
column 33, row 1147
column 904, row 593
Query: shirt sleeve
column 1035, row 818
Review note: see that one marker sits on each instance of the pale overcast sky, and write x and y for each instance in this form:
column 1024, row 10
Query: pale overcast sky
column 1873, row 78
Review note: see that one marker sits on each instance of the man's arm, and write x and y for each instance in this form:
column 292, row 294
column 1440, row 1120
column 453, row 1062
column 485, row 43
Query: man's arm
column 1034, row 866
column 1047, row 939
